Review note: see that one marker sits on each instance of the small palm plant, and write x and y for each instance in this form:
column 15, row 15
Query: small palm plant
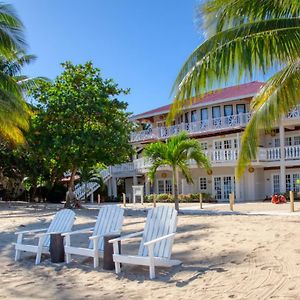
column 176, row 153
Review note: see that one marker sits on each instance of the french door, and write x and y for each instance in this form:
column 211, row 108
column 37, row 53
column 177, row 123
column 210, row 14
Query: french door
column 223, row 186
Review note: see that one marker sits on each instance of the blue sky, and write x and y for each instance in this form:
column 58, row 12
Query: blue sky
column 141, row 44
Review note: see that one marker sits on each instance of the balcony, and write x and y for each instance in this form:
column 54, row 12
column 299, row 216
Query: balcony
column 218, row 158
column 207, row 126
column 212, row 125
column 274, row 154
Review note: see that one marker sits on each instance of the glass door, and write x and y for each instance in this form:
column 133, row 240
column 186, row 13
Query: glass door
column 223, row 186
column 241, row 111
column 218, row 188
column 228, row 112
column 204, row 117
column 216, row 114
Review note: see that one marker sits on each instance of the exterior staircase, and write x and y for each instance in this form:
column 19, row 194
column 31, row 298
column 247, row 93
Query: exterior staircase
column 86, row 189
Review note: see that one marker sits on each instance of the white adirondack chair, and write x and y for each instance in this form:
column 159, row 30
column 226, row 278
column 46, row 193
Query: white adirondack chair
column 62, row 222
column 109, row 221
column 157, row 241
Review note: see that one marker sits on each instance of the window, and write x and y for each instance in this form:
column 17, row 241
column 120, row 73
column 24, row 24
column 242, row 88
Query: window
column 186, row 117
column 276, row 184
column 204, row 114
column 204, row 145
column 164, row 186
column 161, row 186
column 168, row 189
column 240, row 109
column 202, row 183
column 216, row 112
column 297, row 140
column 288, row 182
column 227, row 144
column 194, row 116
column 276, row 142
column 228, row 110
column 218, row 145
column 288, row 141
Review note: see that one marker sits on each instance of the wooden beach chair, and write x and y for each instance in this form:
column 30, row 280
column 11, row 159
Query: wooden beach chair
column 109, row 221
column 62, row 222
column 156, row 244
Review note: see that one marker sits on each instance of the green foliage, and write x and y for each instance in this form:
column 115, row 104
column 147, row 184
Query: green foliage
column 246, row 38
column 79, row 121
column 183, row 198
column 176, row 153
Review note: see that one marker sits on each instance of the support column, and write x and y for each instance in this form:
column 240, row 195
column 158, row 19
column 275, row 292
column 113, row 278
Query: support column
column 109, row 187
column 92, row 198
column 135, row 180
column 282, row 159
column 114, row 186
column 147, row 185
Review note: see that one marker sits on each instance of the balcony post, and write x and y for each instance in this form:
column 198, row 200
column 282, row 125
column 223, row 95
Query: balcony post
column 147, row 185
column 114, row 186
column 282, row 159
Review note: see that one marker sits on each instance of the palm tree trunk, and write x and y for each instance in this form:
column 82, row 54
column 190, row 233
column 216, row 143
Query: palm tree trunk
column 175, row 188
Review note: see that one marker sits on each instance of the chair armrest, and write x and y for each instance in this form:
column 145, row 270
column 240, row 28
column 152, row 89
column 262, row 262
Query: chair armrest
column 31, row 231
column 159, row 239
column 126, row 237
column 93, row 237
column 85, row 230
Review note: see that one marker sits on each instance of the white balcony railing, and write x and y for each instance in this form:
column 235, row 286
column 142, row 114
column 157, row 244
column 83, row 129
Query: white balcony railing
column 216, row 124
column 216, row 157
column 211, row 125
column 290, row 153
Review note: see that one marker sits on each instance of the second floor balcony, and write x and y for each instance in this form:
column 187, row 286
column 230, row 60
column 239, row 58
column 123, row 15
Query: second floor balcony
column 206, row 126
column 210, row 125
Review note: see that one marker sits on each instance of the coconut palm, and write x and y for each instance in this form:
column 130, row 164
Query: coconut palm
column 13, row 110
column 176, row 153
column 246, row 38
column 12, row 103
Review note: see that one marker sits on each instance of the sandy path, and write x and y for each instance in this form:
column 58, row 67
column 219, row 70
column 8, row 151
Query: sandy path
column 224, row 257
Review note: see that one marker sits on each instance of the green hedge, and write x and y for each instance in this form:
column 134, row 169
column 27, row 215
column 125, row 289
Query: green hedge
column 187, row 198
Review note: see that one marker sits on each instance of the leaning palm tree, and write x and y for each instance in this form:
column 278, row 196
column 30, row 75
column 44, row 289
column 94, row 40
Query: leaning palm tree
column 176, row 153
column 246, row 38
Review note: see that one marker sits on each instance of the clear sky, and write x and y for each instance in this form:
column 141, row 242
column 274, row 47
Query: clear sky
column 141, row 44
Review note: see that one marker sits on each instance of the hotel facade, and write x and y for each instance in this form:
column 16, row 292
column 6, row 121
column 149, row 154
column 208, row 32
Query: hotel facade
column 217, row 121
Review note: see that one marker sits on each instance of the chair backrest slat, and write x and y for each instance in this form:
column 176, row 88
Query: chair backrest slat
column 110, row 219
column 160, row 221
column 62, row 222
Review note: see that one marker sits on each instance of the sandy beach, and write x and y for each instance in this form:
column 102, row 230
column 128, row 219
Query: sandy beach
column 238, row 256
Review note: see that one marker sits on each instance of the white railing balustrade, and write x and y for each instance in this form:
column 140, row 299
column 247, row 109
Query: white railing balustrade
column 215, row 124
column 210, row 125
column 290, row 152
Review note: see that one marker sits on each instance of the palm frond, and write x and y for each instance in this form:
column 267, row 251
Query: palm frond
column 280, row 95
column 236, row 54
column 218, row 15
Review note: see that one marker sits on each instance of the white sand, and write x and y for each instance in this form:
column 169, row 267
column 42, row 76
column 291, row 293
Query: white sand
column 224, row 257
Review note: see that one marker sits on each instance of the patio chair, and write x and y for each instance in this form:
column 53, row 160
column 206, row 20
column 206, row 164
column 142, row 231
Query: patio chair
column 62, row 222
column 156, row 244
column 109, row 221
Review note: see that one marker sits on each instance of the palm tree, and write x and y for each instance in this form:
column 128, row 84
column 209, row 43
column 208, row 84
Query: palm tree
column 176, row 153
column 14, row 111
column 246, row 38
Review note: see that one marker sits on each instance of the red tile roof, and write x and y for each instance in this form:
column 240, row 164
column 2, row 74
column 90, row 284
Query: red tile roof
column 232, row 92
